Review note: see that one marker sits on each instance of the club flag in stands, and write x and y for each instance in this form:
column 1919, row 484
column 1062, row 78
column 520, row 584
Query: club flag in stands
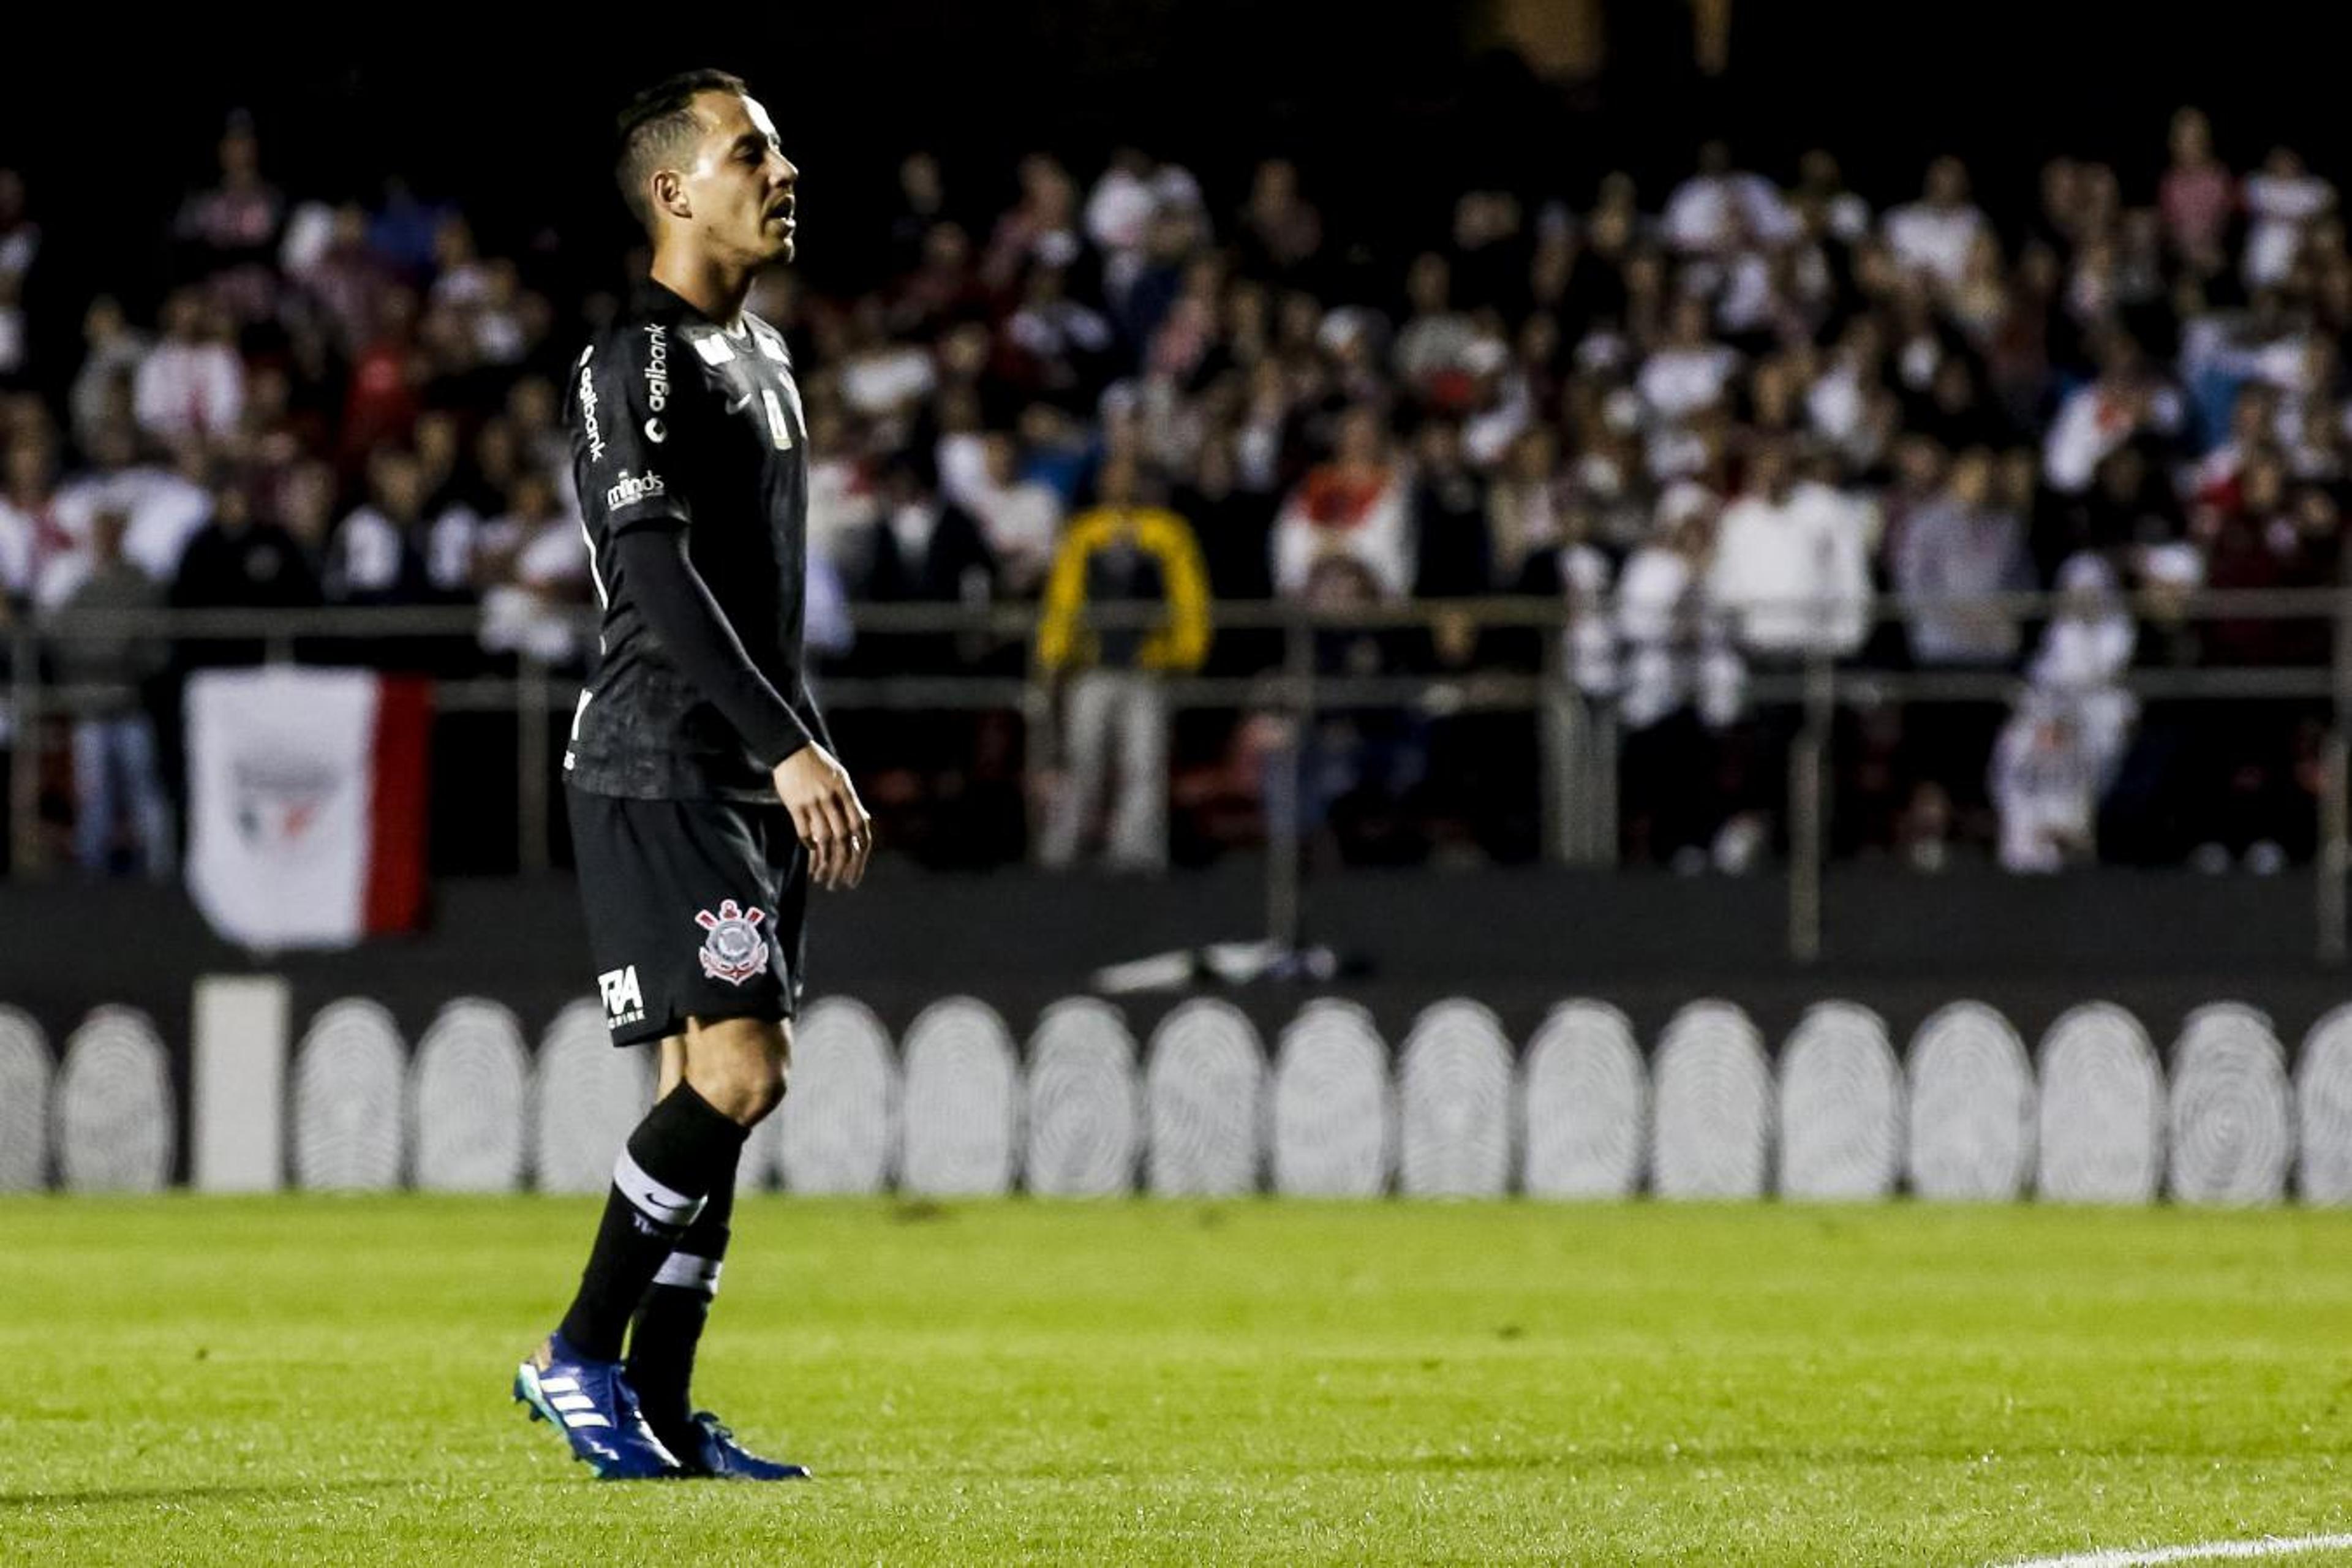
column 306, row 804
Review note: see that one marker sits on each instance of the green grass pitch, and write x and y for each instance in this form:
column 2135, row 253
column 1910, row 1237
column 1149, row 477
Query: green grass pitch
column 324, row 1380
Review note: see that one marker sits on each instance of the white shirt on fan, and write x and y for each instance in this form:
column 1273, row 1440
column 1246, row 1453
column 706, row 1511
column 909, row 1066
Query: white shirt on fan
column 1793, row 576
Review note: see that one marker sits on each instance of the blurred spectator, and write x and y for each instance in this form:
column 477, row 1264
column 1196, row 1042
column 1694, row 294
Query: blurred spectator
column 1962, row 550
column 1936, row 233
column 112, row 354
column 2126, row 401
column 1280, row 232
column 1710, row 212
column 232, row 229
column 165, row 508
column 1126, row 555
column 20, row 245
column 191, row 387
column 116, row 782
column 383, row 553
column 1018, row 518
column 2199, row 195
column 2045, row 783
column 1790, row 566
column 2085, row 652
column 2283, row 199
column 531, row 568
column 1452, row 527
column 1354, row 505
column 237, row 561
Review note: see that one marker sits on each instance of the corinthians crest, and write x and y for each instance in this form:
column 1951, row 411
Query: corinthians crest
column 734, row 951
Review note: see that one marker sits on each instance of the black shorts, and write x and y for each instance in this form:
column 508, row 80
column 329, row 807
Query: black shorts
column 696, row 910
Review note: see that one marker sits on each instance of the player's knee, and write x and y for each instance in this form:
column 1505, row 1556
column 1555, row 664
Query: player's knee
column 740, row 1071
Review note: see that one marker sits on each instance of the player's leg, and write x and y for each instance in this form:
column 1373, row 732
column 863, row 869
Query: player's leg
column 739, row 1062
column 668, row 948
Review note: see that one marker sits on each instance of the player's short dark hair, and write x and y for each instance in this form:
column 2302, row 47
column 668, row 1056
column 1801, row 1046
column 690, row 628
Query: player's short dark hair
column 657, row 126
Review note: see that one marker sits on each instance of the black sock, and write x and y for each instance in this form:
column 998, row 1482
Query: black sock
column 673, row 1161
column 670, row 1323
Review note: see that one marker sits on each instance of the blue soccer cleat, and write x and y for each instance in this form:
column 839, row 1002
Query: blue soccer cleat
column 708, row 1449
column 593, row 1406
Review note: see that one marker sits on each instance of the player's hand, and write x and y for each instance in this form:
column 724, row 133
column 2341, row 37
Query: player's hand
column 827, row 816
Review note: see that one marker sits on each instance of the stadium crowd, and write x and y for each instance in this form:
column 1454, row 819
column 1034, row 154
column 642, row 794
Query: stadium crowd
column 1714, row 420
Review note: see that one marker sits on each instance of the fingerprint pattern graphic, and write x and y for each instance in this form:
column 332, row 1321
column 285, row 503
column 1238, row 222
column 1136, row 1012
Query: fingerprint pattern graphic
column 1334, row 1122
column 1455, row 1113
column 586, row 1098
column 1204, row 1095
column 1841, row 1107
column 1972, row 1119
column 470, row 1087
column 1585, row 1105
column 839, row 1131
column 350, row 1106
column 25, row 1078
column 117, row 1126
column 2323, row 1099
column 2102, row 1115
column 1085, row 1121
column 1713, row 1114
column 2231, row 1134
column 963, row 1104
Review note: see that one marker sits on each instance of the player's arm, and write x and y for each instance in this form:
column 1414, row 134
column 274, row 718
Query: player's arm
column 685, row 617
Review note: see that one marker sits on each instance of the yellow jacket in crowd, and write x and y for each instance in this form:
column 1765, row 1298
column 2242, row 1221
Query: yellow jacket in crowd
column 1126, row 555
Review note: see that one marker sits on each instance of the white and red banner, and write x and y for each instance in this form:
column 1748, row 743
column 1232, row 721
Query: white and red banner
column 306, row 804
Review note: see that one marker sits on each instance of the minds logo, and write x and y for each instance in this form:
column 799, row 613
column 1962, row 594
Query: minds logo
column 632, row 490
column 588, row 416
column 657, row 366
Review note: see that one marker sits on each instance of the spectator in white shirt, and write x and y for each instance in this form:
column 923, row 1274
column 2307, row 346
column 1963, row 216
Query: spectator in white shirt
column 1117, row 217
column 2126, row 400
column 2084, row 654
column 2044, row 785
column 2283, row 199
column 532, row 567
column 1436, row 340
column 165, row 508
column 1355, row 505
column 192, row 386
column 1792, row 564
column 1720, row 204
column 1936, row 233
column 1690, row 372
column 1021, row 519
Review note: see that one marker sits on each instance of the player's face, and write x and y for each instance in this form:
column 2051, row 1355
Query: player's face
column 741, row 183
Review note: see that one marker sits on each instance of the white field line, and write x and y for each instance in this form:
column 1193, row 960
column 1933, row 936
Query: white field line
column 2206, row 1552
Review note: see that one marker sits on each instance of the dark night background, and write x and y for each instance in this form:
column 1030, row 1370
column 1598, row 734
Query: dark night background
column 1393, row 111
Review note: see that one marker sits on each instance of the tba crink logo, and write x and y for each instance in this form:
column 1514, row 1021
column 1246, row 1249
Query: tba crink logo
column 734, row 951
column 657, row 366
column 632, row 489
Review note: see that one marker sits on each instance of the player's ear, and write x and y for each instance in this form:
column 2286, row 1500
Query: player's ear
column 669, row 194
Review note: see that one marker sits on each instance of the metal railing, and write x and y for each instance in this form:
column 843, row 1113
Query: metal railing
column 1577, row 738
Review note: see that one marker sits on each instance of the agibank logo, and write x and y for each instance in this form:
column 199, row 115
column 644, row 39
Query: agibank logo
column 588, row 409
column 633, row 489
column 657, row 366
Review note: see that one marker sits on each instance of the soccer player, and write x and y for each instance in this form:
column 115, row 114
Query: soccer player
column 704, row 791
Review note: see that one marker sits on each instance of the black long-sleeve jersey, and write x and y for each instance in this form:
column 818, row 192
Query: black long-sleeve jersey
column 693, row 434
